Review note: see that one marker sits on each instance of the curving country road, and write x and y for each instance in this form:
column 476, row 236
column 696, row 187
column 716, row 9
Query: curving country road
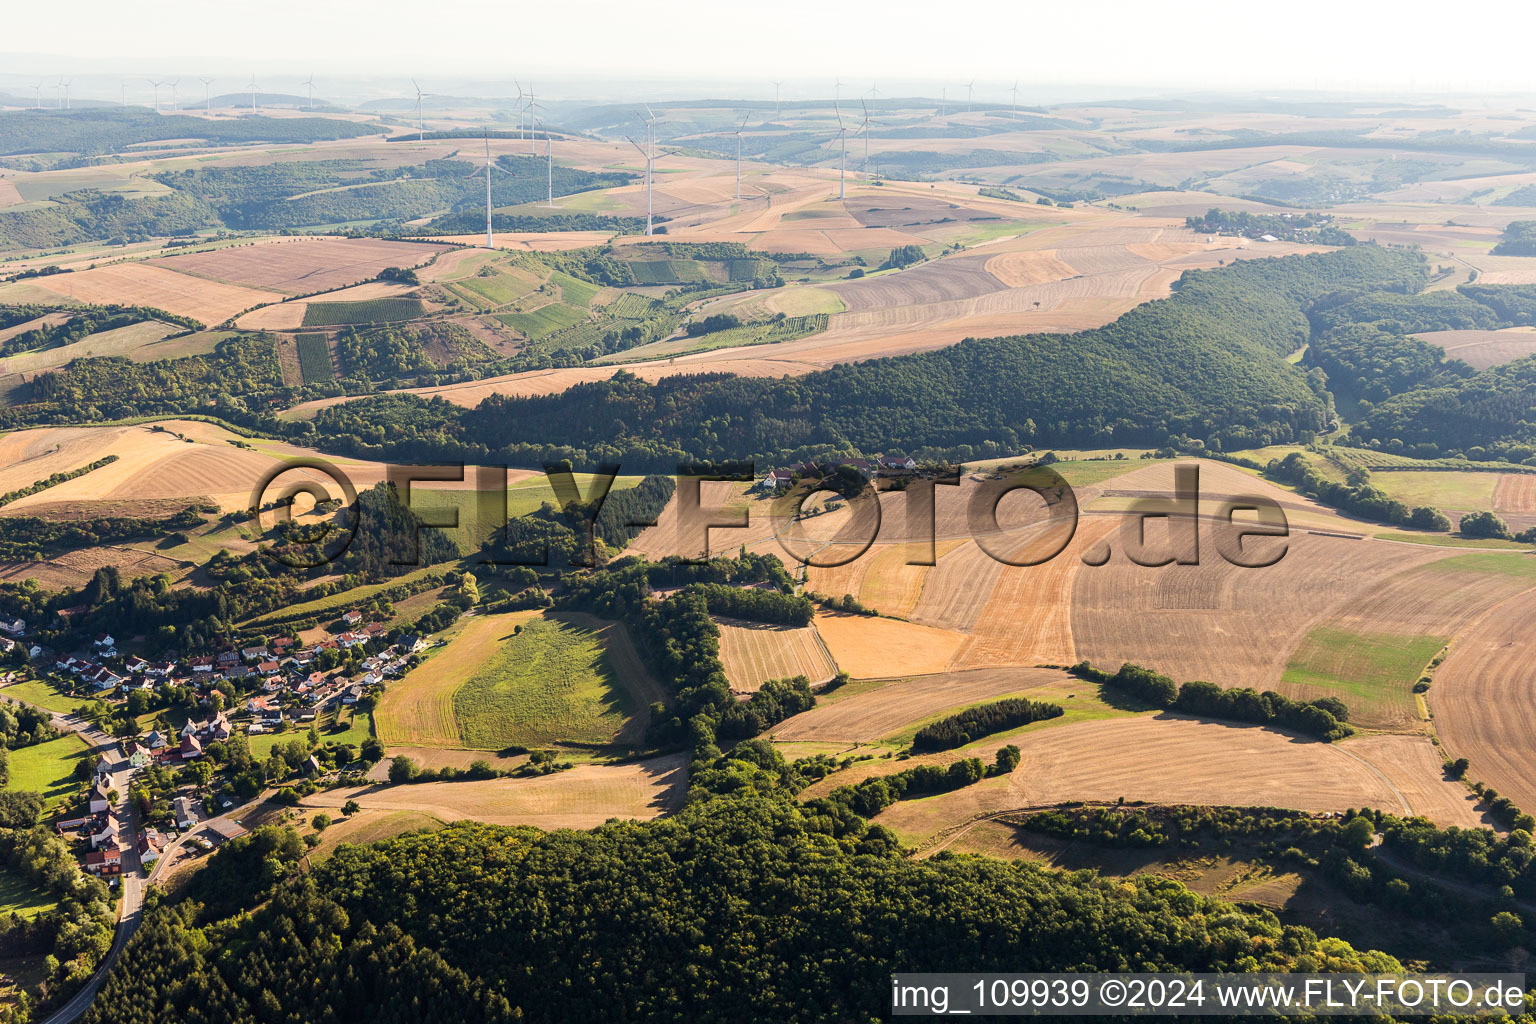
column 133, row 879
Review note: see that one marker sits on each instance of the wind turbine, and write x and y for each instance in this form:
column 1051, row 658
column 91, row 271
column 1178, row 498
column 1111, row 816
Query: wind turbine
column 1015, row 91
column 533, row 149
column 970, row 90
column 173, row 83
column 207, row 100
column 253, row 94
column 38, row 92
column 310, row 81
column 549, row 154
column 520, row 95
column 421, row 132
column 737, row 132
column 490, row 165
column 649, row 153
column 67, row 83
column 943, row 100
column 864, row 130
column 874, row 90
column 842, row 161
column 157, row 86
column 837, row 92
column 58, row 100
column 776, row 107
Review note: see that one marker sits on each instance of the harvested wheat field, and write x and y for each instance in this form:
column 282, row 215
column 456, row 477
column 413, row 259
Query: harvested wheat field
column 1482, row 349
column 1167, row 759
column 583, row 797
column 884, row 710
column 144, row 284
column 75, row 568
column 1484, row 699
column 302, row 266
column 754, row 653
column 874, row 648
column 1515, row 494
column 1371, row 651
column 1027, row 617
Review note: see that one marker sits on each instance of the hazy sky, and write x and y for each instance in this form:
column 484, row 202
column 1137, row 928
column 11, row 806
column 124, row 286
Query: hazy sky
column 1338, row 44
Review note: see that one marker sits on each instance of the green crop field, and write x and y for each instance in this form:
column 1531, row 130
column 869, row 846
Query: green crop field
column 356, row 727
column 545, row 320
column 549, row 681
column 1441, row 489
column 315, row 358
column 747, row 334
column 20, row 897
column 574, row 291
column 338, row 602
column 369, row 311
column 744, row 270
column 1492, row 562
column 666, row 271
column 47, row 768
column 629, row 306
column 1373, row 673
column 42, row 694
column 506, row 285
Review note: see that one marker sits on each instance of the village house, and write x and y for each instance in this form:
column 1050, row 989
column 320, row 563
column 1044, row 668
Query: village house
column 184, row 813
column 190, row 747
column 352, row 617
column 254, row 653
column 106, row 830
column 106, row 861
column 15, row 627
column 101, row 797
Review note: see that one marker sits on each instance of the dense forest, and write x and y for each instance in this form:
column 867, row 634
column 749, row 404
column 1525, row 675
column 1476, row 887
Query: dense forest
column 96, row 131
column 285, row 196
column 1208, row 362
column 747, row 907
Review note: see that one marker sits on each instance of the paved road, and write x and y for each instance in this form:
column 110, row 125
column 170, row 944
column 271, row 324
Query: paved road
column 133, row 879
column 133, row 903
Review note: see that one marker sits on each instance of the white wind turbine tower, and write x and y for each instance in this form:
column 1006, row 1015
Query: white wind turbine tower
column 837, row 92
column 970, row 90
column 534, row 120
column 67, row 83
column 207, row 99
column 490, row 165
column 173, row 83
column 37, row 91
column 737, row 132
column 310, row 81
column 533, row 148
column 421, row 132
column 842, row 161
column 776, row 107
column 253, row 94
column 519, row 103
column 1015, row 91
column 864, row 131
column 943, row 100
column 649, row 153
column 157, row 86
